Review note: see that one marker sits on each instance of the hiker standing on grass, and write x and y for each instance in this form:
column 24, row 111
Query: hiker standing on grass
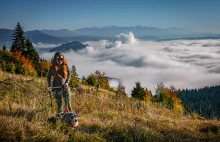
column 61, row 77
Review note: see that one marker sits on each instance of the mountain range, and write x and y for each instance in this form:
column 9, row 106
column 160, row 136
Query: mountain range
column 138, row 31
column 40, row 37
column 105, row 33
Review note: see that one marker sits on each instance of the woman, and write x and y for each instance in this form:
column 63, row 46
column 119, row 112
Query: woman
column 61, row 77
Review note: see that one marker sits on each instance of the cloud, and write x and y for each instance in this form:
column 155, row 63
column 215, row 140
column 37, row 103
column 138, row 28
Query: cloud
column 43, row 45
column 87, row 50
column 182, row 63
column 122, row 39
column 114, row 83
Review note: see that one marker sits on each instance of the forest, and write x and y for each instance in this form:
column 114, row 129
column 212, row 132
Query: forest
column 204, row 101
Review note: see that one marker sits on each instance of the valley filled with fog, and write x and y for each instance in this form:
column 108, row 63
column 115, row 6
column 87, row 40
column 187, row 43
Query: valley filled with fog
column 182, row 63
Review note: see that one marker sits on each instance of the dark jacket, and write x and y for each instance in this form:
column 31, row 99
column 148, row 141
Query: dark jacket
column 57, row 81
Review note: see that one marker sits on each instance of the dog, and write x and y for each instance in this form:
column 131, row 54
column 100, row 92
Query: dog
column 69, row 118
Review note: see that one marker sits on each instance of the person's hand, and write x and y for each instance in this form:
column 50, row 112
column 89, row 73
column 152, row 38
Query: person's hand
column 66, row 85
column 49, row 89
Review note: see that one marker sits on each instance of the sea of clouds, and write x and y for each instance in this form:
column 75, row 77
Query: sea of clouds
column 182, row 63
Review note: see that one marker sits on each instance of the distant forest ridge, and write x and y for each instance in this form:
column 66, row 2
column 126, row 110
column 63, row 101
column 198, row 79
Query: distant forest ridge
column 204, row 101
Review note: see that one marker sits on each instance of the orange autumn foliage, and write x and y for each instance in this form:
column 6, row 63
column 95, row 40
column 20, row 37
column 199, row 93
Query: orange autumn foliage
column 148, row 97
column 173, row 94
column 23, row 64
column 44, row 68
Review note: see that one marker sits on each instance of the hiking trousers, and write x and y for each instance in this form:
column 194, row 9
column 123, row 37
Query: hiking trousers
column 66, row 95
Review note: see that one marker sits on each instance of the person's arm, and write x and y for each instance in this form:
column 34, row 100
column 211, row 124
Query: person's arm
column 49, row 77
column 68, row 78
column 69, row 75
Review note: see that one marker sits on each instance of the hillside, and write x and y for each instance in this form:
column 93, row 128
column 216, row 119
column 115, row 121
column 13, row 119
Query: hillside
column 74, row 45
column 25, row 108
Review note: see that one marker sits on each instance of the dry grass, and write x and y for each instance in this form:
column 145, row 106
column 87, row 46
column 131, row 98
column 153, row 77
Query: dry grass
column 25, row 108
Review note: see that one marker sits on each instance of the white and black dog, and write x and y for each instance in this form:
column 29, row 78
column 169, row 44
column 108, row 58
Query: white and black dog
column 69, row 118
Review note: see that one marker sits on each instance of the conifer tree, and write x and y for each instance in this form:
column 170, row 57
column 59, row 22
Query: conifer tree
column 4, row 47
column 31, row 53
column 18, row 40
column 138, row 92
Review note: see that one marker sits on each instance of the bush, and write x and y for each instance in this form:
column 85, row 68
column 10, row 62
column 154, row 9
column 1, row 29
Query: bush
column 16, row 63
column 92, row 80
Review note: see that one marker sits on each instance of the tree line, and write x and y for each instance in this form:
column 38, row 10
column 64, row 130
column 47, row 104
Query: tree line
column 164, row 96
column 204, row 101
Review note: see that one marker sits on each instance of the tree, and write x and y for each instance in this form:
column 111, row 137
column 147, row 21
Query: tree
column 121, row 90
column 148, row 97
column 43, row 68
column 92, row 80
column 138, row 92
column 4, row 47
column 102, row 80
column 18, row 40
column 74, row 77
column 31, row 53
column 177, row 103
column 167, row 97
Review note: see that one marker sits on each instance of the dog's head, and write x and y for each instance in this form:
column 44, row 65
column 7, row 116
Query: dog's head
column 71, row 119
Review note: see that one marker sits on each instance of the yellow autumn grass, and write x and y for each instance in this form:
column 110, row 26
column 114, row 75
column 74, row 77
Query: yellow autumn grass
column 103, row 116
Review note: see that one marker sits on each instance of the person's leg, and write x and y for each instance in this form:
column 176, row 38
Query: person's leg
column 58, row 101
column 67, row 96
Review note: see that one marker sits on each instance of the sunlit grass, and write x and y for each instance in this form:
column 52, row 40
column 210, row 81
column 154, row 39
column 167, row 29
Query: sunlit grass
column 25, row 108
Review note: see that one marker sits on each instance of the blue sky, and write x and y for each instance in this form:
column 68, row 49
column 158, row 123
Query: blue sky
column 198, row 15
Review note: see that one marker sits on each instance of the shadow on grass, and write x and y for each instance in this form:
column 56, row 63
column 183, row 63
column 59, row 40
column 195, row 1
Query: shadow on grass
column 28, row 114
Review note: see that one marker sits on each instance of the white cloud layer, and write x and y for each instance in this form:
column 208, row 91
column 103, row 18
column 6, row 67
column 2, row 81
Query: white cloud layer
column 43, row 45
column 182, row 63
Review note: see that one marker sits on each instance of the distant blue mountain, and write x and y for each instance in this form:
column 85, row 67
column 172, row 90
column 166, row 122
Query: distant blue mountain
column 6, row 37
column 74, row 45
column 84, row 38
column 59, row 33
column 37, row 36
column 138, row 31
column 114, row 30
column 153, row 38
column 193, row 38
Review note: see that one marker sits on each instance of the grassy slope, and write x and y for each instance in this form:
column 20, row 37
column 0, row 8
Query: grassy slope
column 25, row 108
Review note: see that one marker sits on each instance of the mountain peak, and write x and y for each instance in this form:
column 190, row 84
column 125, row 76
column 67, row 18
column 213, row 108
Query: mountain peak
column 74, row 45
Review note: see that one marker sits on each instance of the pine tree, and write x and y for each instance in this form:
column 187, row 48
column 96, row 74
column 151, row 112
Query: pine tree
column 31, row 53
column 4, row 47
column 18, row 40
column 138, row 92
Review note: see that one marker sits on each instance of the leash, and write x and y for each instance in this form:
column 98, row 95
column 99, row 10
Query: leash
column 61, row 91
column 51, row 98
